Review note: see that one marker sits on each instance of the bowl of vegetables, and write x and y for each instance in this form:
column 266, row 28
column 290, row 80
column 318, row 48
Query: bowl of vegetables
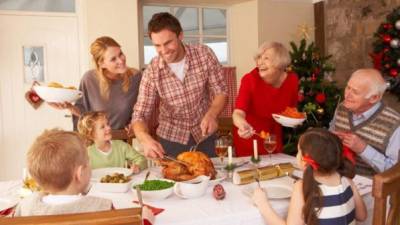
column 156, row 189
column 112, row 179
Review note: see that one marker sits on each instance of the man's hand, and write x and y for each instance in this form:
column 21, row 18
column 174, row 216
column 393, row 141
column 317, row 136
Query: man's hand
column 208, row 125
column 351, row 140
column 152, row 148
column 245, row 130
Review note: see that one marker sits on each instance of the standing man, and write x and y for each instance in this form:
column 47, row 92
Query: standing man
column 365, row 125
column 183, row 79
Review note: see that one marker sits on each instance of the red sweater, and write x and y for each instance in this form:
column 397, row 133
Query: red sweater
column 259, row 100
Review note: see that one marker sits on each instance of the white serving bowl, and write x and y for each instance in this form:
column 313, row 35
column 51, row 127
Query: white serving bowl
column 192, row 188
column 97, row 174
column 156, row 194
column 288, row 121
column 57, row 95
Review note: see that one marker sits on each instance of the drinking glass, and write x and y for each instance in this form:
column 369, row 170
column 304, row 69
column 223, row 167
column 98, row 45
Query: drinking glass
column 221, row 147
column 270, row 144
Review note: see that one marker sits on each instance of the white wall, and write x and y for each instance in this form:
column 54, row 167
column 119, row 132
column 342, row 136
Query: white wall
column 117, row 19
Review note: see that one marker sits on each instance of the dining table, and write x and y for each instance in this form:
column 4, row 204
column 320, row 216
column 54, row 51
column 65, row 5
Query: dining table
column 236, row 208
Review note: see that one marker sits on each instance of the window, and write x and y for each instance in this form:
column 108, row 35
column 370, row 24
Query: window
column 200, row 25
column 39, row 5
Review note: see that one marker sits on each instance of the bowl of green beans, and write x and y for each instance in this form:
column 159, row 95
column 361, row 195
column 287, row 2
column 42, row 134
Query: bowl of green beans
column 156, row 189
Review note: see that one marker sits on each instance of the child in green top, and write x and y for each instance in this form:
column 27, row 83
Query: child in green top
column 104, row 152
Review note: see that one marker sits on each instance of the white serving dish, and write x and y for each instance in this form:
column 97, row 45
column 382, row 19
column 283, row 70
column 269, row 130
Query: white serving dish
column 288, row 121
column 192, row 188
column 57, row 95
column 156, row 194
column 97, row 174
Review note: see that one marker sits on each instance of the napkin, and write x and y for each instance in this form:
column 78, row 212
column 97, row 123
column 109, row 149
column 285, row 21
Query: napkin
column 6, row 212
column 262, row 173
column 153, row 209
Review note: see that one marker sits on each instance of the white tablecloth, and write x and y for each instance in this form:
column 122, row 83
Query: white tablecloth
column 235, row 209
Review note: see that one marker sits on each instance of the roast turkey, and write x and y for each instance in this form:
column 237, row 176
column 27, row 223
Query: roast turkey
column 194, row 164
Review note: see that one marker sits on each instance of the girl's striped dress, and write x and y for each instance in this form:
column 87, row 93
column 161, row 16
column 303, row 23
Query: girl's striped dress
column 338, row 204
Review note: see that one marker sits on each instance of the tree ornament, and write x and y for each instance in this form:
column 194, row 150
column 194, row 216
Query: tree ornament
column 393, row 72
column 386, row 38
column 320, row 98
column 397, row 25
column 320, row 111
column 300, row 97
column 398, row 62
column 377, row 59
column 394, row 43
column 313, row 77
column 387, row 26
column 317, row 71
column 386, row 49
column 387, row 66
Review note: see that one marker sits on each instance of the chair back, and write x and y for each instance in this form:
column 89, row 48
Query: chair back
column 121, row 135
column 131, row 216
column 386, row 186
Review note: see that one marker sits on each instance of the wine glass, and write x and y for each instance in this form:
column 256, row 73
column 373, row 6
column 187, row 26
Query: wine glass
column 221, row 147
column 270, row 144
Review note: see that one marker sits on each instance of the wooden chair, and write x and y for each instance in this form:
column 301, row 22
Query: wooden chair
column 131, row 216
column 386, row 185
column 121, row 135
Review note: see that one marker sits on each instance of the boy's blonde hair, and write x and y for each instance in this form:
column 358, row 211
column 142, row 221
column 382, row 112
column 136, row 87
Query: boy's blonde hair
column 87, row 123
column 54, row 157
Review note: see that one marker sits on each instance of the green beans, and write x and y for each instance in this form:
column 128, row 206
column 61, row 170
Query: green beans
column 155, row 185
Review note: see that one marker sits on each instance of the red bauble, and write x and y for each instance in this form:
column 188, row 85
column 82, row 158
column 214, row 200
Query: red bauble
column 386, row 38
column 313, row 77
column 300, row 97
column 386, row 49
column 387, row 26
column 320, row 98
column 393, row 72
column 377, row 59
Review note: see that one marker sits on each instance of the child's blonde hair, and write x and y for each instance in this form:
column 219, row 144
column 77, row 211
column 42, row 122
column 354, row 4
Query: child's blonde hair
column 54, row 157
column 87, row 124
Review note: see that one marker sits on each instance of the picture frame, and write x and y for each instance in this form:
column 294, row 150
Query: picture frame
column 34, row 63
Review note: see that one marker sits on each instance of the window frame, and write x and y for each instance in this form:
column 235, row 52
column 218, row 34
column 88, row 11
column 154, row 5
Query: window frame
column 201, row 36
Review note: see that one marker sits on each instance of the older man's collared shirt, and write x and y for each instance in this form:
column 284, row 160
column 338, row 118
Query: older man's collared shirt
column 182, row 104
column 379, row 161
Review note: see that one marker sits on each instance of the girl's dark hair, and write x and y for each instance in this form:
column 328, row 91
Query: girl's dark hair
column 325, row 148
column 164, row 20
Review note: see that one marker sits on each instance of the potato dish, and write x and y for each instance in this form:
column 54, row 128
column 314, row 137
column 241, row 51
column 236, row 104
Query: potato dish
column 115, row 178
column 58, row 85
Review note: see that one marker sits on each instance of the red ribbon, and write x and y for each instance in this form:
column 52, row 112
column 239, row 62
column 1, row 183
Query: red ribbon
column 348, row 154
column 310, row 161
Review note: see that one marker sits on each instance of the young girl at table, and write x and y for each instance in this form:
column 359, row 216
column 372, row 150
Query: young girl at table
column 59, row 163
column 104, row 152
column 327, row 194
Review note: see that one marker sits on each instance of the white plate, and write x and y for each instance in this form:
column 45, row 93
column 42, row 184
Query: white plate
column 97, row 174
column 288, row 121
column 51, row 94
column 274, row 191
column 218, row 178
column 8, row 202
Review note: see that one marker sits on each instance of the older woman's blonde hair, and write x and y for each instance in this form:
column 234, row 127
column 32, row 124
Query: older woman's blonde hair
column 54, row 157
column 97, row 49
column 282, row 57
column 87, row 125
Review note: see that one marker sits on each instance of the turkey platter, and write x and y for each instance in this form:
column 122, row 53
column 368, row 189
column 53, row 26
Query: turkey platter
column 194, row 164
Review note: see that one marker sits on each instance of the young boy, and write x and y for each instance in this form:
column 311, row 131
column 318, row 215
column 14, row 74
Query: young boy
column 59, row 163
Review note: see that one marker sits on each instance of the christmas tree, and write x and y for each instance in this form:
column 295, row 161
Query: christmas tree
column 386, row 54
column 318, row 94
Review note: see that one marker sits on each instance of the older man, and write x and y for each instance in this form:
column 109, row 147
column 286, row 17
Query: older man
column 367, row 126
column 182, row 78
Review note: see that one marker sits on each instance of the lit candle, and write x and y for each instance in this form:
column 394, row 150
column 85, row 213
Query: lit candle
column 229, row 155
column 255, row 149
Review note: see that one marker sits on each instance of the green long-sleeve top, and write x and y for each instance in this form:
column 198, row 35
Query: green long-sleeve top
column 120, row 152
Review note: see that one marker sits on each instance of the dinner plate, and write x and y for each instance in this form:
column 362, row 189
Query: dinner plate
column 218, row 178
column 274, row 191
column 8, row 202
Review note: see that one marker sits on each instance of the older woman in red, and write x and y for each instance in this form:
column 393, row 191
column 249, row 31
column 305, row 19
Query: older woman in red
column 267, row 89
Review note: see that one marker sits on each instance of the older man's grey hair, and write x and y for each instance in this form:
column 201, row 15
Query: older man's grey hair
column 377, row 85
column 281, row 58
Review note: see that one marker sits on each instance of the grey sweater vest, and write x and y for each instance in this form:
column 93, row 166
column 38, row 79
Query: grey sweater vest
column 375, row 131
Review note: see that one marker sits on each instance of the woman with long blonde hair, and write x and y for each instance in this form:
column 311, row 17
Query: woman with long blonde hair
column 111, row 87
